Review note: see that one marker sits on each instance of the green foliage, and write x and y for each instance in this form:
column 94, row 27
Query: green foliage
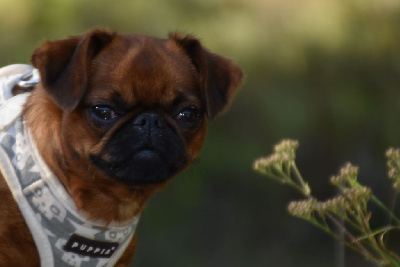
column 347, row 211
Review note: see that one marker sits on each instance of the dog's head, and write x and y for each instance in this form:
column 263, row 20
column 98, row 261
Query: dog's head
column 130, row 109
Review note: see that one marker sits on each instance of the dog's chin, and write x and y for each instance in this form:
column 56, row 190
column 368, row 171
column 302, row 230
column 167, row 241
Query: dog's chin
column 145, row 167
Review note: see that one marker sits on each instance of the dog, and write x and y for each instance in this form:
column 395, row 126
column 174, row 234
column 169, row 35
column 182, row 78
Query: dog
column 112, row 119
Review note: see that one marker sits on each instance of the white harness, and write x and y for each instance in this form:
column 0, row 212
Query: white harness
column 63, row 236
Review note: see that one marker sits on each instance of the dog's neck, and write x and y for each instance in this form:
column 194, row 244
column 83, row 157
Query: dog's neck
column 107, row 201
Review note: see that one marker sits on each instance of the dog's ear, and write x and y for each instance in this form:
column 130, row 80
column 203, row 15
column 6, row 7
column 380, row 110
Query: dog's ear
column 219, row 77
column 64, row 65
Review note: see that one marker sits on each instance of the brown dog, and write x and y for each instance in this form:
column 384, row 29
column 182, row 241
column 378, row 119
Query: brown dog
column 114, row 118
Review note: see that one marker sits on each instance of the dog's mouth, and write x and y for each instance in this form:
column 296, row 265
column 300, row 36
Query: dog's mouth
column 145, row 166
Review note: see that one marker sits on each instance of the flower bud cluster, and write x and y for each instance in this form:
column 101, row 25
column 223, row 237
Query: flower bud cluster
column 303, row 208
column 279, row 161
column 286, row 145
column 284, row 152
column 273, row 161
column 347, row 176
column 357, row 195
column 393, row 162
column 347, row 202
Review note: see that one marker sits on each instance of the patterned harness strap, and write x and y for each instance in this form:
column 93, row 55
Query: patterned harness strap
column 11, row 106
column 63, row 236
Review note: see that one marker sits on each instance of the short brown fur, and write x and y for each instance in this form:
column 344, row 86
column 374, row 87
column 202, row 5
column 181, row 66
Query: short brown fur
column 141, row 74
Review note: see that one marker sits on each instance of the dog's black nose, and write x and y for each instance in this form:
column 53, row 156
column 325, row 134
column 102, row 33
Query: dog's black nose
column 149, row 120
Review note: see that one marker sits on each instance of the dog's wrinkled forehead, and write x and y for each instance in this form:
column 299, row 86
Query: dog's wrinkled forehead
column 144, row 70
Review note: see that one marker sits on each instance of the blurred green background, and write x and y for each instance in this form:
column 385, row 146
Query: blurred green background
column 325, row 72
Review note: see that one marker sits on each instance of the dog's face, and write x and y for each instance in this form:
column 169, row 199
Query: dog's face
column 126, row 110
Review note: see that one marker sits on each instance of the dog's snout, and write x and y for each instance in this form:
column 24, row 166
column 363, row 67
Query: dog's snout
column 149, row 120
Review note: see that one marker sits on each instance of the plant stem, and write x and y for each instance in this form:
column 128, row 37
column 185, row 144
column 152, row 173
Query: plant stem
column 352, row 238
column 305, row 188
column 382, row 206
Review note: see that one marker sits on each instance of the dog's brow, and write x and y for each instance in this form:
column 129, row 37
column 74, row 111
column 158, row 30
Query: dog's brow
column 118, row 100
column 183, row 97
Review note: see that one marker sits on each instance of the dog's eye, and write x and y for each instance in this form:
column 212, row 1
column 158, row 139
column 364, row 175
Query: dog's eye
column 103, row 113
column 190, row 115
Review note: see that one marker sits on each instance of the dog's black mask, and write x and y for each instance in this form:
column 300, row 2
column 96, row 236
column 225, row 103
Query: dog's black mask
column 145, row 150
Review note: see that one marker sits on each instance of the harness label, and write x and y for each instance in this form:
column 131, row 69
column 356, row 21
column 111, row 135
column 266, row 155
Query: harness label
column 87, row 247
